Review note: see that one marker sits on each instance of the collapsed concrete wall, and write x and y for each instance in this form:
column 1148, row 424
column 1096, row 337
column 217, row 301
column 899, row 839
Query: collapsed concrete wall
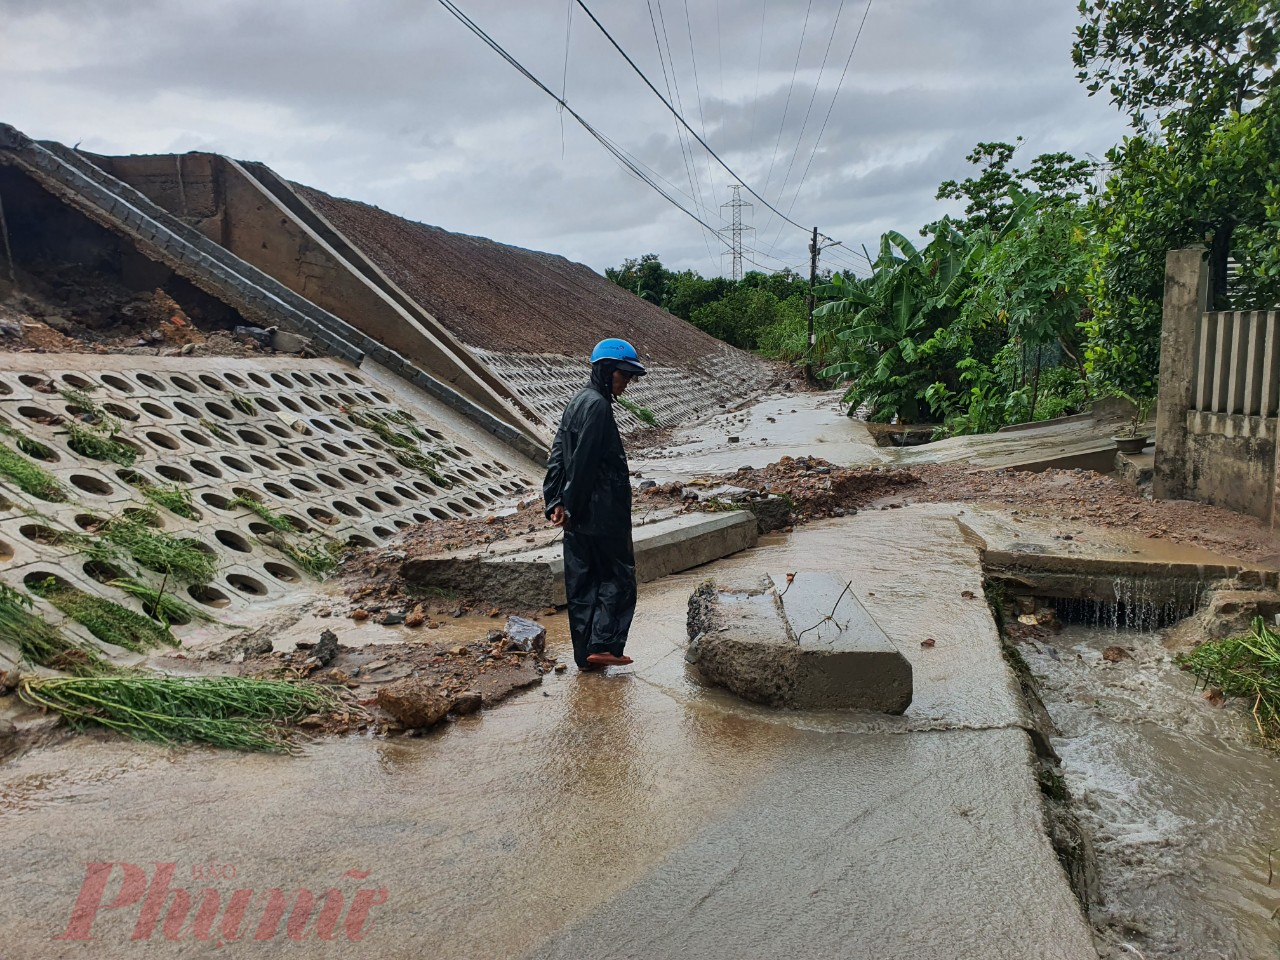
column 256, row 217
column 509, row 327
column 534, row 317
column 173, row 245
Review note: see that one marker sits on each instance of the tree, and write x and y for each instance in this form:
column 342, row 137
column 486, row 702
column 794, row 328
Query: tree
column 988, row 197
column 646, row 277
column 1180, row 69
column 1186, row 61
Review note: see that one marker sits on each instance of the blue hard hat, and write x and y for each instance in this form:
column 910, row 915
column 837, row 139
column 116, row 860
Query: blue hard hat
column 628, row 361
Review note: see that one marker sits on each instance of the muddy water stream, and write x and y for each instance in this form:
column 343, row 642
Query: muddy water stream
column 1179, row 802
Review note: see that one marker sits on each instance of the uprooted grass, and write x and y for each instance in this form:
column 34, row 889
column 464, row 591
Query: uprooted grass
column 234, row 712
column 1247, row 667
column 158, row 551
column 108, row 621
column 29, row 478
column 98, row 444
column 318, row 558
column 173, row 497
column 40, row 643
column 28, row 445
column 163, row 606
column 390, row 434
column 643, row 413
column 426, row 464
column 272, row 519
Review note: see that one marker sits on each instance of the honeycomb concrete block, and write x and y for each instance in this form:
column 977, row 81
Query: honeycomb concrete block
column 536, row 577
column 806, row 643
column 222, row 428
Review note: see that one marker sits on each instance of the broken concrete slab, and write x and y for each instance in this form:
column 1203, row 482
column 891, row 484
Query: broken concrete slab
column 535, row 578
column 801, row 640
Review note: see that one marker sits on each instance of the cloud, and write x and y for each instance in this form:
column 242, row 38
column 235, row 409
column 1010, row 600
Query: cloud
column 395, row 103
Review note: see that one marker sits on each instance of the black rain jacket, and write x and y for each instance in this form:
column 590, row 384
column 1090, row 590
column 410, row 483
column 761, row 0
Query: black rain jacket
column 587, row 472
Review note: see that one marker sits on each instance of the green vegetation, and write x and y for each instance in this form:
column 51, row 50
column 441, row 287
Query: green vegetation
column 233, row 712
column 426, row 464
column 165, row 607
column 108, row 621
column 29, row 478
column 98, row 444
column 1247, row 667
column 644, row 413
column 173, row 497
column 390, row 426
column 375, row 423
column 270, row 517
column 28, row 445
column 216, row 430
column 317, row 559
column 40, row 644
column 1046, row 292
column 155, row 550
column 244, row 404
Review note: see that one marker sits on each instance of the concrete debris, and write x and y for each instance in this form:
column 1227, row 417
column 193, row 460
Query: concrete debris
column 526, row 635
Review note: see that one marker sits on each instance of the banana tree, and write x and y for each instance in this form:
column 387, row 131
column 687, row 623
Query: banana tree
column 885, row 318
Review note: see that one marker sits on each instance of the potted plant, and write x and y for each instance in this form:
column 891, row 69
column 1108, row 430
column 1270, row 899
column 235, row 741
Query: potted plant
column 1133, row 438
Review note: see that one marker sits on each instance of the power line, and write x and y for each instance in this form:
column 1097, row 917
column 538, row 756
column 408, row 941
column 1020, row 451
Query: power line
column 629, row 163
column 804, row 125
column 686, row 151
column 755, row 100
column 830, row 107
column 697, row 89
column 787, row 105
column 728, row 169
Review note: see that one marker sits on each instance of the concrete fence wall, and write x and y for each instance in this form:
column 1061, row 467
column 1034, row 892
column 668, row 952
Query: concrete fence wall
column 1219, row 397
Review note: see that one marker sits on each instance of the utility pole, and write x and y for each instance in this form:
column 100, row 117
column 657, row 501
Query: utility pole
column 814, row 249
column 736, row 228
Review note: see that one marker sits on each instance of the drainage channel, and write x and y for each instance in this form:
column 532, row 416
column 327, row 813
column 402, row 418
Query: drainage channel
column 1164, row 801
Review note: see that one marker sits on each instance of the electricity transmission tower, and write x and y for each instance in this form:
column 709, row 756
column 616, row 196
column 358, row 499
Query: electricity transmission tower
column 736, row 228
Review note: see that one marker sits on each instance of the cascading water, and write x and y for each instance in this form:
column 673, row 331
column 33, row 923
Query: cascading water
column 1140, row 604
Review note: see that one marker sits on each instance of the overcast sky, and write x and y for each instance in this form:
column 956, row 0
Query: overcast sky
column 395, row 103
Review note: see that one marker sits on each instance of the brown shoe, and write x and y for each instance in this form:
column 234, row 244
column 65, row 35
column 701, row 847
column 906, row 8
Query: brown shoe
column 608, row 660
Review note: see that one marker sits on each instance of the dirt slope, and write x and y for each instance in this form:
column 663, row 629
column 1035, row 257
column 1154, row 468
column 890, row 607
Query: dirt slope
column 499, row 297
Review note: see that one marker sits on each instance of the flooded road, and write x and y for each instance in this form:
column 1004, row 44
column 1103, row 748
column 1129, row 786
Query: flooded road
column 636, row 815
column 1180, row 803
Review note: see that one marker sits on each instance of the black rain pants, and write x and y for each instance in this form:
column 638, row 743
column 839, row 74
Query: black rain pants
column 600, row 586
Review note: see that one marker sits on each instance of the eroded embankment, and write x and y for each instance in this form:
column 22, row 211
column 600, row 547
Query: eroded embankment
column 1159, row 796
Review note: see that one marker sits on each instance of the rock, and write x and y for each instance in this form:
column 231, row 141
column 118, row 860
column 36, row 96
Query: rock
column 561, row 667
column 735, row 439
column 1116, row 654
column 467, row 702
column 360, row 614
column 283, row 342
column 187, row 349
column 392, row 619
column 415, row 619
column 327, row 648
column 413, row 702
column 648, row 484
column 526, row 635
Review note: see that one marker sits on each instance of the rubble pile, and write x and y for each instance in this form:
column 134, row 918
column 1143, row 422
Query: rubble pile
column 816, row 488
column 416, row 684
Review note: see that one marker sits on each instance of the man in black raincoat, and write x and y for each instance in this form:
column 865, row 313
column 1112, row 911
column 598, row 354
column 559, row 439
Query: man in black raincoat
column 587, row 491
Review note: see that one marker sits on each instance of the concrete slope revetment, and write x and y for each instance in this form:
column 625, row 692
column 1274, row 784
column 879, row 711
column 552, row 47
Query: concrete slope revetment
column 161, row 245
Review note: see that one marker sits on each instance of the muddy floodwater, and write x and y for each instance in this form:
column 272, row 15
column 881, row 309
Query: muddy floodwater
column 1180, row 802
